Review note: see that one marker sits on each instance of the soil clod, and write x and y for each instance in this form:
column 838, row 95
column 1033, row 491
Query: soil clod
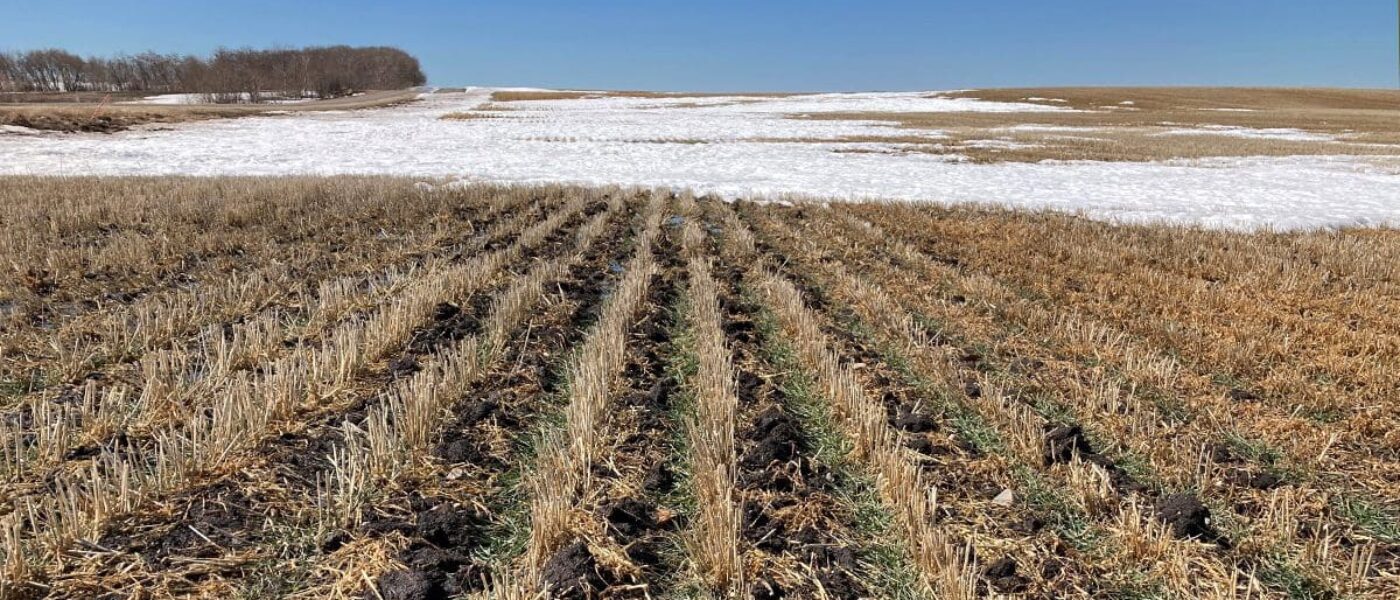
column 1003, row 577
column 914, row 422
column 1187, row 516
column 573, row 573
column 630, row 517
column 1064, row 442
column 779, row 437
column 408, row 585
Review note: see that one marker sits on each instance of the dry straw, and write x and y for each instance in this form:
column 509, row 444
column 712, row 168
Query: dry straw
column 562, row 475
column 714, row 540
column 236, row 419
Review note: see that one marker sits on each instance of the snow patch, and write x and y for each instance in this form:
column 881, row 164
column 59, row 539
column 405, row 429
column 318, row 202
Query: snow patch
column 746, row 154
column 999, row 144
column 182, row 99
column 1275, row 133
column 18, row 130
column 1034, row 128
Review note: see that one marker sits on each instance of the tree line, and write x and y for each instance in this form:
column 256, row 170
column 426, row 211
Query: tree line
column 229, row 75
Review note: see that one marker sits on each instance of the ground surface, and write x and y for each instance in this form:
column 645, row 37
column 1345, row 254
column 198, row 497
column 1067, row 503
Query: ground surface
column 1220, row 158
column 28, row 114
column 368, row 388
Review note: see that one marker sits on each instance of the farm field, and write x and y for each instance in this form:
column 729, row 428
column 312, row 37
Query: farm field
column 360, row 386
column 98, row 113
column 1244, row 159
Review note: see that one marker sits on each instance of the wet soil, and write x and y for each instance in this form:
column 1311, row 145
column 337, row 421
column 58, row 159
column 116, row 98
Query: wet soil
column 295, row 458
column 947, row 459
column 641, row 429
column 480, row 446
column 790, row 513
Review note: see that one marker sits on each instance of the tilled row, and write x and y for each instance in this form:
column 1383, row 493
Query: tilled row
column 311, row 484
column 1051, row 386
column 119, row 481
column 444, row 522
column 133, row 401
column 78, row 342
column 563, row 484
column 798, row 528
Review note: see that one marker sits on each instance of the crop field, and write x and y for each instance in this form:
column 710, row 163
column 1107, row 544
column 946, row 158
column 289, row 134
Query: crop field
column 98, row 113
column 1244, row 159
column 362, row 387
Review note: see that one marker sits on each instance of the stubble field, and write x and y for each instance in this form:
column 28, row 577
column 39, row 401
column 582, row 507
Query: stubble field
column 367, row 387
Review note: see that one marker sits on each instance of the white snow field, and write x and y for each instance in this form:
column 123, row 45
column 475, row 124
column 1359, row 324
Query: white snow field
column 729, row 146
column 183, row 99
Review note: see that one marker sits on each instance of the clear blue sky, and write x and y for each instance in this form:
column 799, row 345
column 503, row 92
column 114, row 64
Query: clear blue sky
column 772, row 44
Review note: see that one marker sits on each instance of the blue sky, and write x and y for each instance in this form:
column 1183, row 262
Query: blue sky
column 772, row 44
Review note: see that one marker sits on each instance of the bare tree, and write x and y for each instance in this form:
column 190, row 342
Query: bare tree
column 229, row 75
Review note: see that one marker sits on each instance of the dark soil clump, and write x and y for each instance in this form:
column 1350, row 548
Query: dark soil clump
column 1064, row 442
column 573, row 573
column 914, row 422
column 1187, row 516
column 1003, row 577
column 777, row 438
column 408, row 585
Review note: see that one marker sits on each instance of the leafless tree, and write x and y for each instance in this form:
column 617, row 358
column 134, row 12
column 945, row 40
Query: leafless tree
column 229, row 75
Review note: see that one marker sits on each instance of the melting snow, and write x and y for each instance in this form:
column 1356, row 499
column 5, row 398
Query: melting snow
column 18, row 130
column 731, row 147
column 177, row 99
column 1277, row 133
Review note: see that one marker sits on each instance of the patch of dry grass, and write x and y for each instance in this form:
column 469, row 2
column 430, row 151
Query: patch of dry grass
column 96, row 117
column 1246, row 370
column 1364, row 122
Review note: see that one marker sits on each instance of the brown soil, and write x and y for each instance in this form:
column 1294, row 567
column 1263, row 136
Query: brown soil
column 639, row 431
column 1018, row 378
column 504, row 405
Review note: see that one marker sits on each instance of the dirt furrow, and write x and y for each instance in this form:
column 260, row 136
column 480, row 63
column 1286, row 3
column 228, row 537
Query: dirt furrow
column 799, row 517
column 1125, row 428
column 1321, row 355
column 133, row 407
column 562, row 482
column 252, row 523
column 121, row 479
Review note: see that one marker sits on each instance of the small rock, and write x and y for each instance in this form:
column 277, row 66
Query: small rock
column 1005, row 498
